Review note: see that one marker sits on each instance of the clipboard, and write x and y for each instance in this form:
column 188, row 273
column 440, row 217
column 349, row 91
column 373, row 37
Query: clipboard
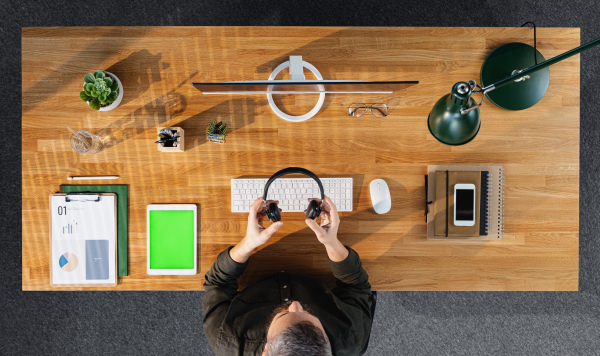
column 121, row 191
column 83, row 240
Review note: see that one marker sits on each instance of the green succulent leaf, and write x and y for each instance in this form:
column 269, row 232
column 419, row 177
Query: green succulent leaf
column 84, row 96
column 102, row 98
column 112, row 96
column 101, row 87
column 95, row 104
column 88, row 88
column 114, row 86
column 89, row 78
column 99, row 74
column 108, row 80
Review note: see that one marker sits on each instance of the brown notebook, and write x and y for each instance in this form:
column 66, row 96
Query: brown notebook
column 444, row 208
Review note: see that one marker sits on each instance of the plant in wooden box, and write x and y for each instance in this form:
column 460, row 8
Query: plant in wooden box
column 170, row 139
column 101, row 90
column 216, row 132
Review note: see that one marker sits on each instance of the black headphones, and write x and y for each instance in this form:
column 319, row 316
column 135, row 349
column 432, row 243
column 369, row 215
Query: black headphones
column 314, row 208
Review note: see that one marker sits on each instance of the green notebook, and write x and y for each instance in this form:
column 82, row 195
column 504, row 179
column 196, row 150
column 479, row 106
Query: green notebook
column 121, row 191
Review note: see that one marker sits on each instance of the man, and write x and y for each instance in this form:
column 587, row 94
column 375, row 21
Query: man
column 288, row 314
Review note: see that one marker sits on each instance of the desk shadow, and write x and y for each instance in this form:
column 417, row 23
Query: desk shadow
column 236, row 113
column 450, row 305
column 154, row 113
column 135, row 82
column 52, row 83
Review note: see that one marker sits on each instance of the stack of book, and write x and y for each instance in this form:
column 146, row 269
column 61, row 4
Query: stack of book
column 489, row 202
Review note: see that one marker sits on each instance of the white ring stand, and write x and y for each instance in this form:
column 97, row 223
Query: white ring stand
column 317, row 107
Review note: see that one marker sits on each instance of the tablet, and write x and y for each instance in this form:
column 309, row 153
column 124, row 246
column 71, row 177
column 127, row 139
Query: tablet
column 172, row 239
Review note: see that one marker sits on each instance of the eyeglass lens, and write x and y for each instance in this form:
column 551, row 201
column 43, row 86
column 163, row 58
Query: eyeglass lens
column 357, row 110
column 379, row 110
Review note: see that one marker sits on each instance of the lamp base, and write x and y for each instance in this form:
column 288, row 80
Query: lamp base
column 505, row 60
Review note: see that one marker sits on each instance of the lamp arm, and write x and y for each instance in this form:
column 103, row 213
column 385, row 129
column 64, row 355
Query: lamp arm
column 542, row 65
column 474, row 85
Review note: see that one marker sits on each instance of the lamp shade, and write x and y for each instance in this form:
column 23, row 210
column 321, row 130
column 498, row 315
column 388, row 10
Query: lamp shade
column 447, row 124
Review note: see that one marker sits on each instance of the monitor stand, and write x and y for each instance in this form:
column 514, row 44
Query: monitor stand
column 296, row 65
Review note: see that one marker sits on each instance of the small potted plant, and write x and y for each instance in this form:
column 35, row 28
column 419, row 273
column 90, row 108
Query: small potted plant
column 216, row 132
column 170, row 139
column 101, row 90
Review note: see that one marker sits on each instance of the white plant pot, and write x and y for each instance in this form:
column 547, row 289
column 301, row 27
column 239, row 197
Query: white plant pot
column 214, row 138
column 115, row 103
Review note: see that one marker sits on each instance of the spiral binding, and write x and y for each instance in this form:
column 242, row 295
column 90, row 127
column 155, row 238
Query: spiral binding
column 488, row 211
column 501, row 173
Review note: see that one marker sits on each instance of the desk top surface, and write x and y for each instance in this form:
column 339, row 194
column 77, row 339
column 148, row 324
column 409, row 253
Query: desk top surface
column 538, row 147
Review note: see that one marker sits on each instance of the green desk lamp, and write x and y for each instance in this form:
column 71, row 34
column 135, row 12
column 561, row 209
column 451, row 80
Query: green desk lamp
column 454, row 119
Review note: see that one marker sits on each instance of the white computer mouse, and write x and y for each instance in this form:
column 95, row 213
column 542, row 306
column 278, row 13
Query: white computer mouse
column 380, row 196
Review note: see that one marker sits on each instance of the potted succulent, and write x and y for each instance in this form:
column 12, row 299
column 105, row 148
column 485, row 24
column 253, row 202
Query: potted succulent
column 101, row 90
column 216, row 132
column 170, row 139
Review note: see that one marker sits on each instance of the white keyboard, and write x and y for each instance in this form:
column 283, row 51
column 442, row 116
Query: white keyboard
column 292, row 193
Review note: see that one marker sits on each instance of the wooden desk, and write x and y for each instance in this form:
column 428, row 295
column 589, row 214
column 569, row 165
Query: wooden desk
column 539, row 147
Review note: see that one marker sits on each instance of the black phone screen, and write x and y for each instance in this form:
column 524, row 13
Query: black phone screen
column 464, row 204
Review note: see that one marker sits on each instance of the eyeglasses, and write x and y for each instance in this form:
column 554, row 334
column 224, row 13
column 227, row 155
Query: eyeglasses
column 357, row 110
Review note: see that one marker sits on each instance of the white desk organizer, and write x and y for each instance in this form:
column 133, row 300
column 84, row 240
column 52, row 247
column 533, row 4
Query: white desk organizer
column 296, row 65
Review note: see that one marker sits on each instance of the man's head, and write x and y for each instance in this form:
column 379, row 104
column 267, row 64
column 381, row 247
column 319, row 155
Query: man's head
column 294, row 330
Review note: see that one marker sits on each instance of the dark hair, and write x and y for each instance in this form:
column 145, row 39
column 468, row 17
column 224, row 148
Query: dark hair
column 302, row 338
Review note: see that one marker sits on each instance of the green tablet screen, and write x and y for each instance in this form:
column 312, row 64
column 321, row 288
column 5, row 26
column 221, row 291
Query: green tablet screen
column 172, row 239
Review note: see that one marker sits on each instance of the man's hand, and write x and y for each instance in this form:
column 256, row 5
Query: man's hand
column 330, row 221
column 256, row 233
column 327, row 231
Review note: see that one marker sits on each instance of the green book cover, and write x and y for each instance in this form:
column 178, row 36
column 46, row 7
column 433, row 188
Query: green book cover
column 121, row 191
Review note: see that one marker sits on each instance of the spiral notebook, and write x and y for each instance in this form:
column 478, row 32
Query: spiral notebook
column 490, row 203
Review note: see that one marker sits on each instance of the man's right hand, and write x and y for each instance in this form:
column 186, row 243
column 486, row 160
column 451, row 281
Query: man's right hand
column 327, row 231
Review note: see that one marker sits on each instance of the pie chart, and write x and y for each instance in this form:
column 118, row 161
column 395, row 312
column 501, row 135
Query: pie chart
column 67, row 261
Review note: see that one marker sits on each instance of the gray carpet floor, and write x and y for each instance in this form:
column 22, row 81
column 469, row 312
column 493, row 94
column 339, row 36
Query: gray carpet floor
column 411, row 323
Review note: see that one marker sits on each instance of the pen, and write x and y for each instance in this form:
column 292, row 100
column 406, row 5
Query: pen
column 93, row 177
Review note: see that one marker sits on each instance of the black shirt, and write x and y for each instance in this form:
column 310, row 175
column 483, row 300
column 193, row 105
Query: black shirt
column 235, row 322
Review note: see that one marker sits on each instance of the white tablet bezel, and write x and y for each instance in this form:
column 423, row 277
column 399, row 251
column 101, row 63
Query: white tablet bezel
column 157, row 271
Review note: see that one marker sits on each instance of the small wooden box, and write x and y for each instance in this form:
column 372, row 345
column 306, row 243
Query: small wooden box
column 180, row 141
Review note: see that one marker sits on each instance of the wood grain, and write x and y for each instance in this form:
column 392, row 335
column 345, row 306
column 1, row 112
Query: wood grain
column 538, row 147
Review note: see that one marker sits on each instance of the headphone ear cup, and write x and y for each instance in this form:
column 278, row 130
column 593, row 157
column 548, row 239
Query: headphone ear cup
column 273, row 212
column 314, row 210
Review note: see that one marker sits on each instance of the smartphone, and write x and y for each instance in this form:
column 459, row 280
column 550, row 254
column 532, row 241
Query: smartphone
column 464, row 204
